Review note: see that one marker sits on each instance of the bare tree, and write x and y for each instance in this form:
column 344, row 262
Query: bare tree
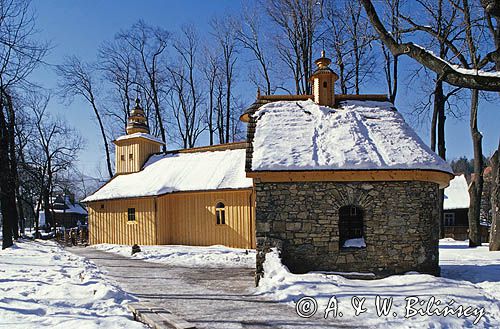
column 464, row 77
column 249, row 34
column 185, row 88
column 298, row 22
column 222, row 30
column 150, row 46
column 20, row 54
column 118, row 63
column 467, row 75
column 441, row 16
column 391, row 62
column 212, row 73
column 350, row 37
column 53, row 151
column 78, row 79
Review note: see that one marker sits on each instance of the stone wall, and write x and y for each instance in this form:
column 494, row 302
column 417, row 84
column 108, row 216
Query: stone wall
column 401, row 226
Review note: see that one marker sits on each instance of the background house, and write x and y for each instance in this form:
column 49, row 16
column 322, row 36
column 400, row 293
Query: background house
column 66, row 211
column 455, row 211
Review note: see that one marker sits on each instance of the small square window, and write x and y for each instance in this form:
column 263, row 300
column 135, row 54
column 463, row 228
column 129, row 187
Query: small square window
column 449, row 219
column 130, row 156
column 122, row 157
column 131, row 214
column 102, row 205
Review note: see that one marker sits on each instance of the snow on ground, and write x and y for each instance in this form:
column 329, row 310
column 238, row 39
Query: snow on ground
column 200, row 171
column 359, row 135
column 189, row 256
column 470, row 277
column 43, row 286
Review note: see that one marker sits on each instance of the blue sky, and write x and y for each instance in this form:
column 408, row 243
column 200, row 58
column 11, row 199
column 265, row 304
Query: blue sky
column 80, row 26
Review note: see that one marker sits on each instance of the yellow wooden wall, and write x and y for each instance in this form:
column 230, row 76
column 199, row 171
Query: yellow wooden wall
column 181, row 218
column 189, row 219
column 140, row 149
column 111, row 225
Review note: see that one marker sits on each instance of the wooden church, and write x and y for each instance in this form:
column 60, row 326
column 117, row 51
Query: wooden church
column 336, row 182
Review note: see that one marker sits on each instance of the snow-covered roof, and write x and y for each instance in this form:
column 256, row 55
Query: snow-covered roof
column 200, row 171
column 142, row 135
column 456, row 196
column 66, row 206
column 369, row 135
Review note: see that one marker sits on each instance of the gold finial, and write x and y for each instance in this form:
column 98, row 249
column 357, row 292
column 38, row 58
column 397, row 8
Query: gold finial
column 323, row 61
column 137, row 101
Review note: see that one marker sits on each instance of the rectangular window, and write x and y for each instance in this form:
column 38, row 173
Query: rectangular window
column 130, row 156
column 449, row 219
column 220, row 214
column 131, row 214
column 122, row 157
column 221, row 217
column 102, row 205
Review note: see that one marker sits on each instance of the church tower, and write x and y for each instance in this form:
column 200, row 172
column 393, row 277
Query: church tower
column 134, row 148
column 323, row 81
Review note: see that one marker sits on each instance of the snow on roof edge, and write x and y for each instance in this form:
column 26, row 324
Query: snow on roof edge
column 181, row 172
column 162, row 194
column 140, row 135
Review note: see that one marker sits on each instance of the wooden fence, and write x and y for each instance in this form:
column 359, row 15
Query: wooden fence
column 73, row 237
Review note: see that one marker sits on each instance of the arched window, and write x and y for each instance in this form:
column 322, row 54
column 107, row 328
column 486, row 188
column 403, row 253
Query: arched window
column 220, row 213
column 351, row 229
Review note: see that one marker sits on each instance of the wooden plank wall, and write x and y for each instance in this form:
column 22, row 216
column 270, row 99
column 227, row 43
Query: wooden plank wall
column 141, row 150
column 111, row 225
column 189, row 219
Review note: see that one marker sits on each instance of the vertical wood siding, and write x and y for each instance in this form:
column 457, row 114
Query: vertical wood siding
column 140, row 149
column 189, row 218
column 180, row 218
column 111, row 225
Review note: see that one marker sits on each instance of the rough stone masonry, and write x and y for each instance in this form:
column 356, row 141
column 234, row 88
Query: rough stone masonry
column 401, row 226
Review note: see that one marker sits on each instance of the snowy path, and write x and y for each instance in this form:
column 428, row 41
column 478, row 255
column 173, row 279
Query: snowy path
column 207, row 297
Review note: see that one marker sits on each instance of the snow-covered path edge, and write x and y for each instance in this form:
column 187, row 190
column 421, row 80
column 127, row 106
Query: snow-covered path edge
column 216, row 256
column 470, row 277
column 43, row 285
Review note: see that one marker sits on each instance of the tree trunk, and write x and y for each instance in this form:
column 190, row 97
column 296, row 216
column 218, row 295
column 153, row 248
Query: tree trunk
column 104, row 139
column 13, row 174
column 5, row 196
column 495, row 201
column 439, row 107
column 476, row 187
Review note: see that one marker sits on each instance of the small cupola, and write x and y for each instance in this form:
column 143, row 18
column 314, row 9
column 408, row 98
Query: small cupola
column 133, row 149
column 137, row 122
column 323, row 80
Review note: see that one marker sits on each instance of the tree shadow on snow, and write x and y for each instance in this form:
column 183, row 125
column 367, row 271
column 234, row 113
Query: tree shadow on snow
column 472, row 273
